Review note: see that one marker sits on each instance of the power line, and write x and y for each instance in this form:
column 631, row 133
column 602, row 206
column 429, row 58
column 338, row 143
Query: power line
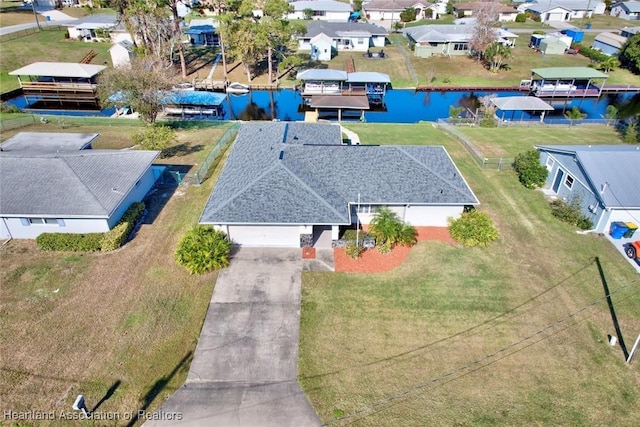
column 446, row 375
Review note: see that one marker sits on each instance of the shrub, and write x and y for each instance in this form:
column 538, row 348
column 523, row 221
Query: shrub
column 530, row 172
column 408, row 15
column 154, row 137
column 352, row 234
column 203, row 249
column 594, row 55
column 389, row 230
column 473, row 228
column 117, row 236
column 521, row 17
column 571, row 213
column 89, row 242
column 353, row 250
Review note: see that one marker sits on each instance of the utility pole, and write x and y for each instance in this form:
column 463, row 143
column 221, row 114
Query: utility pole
column 33, row 7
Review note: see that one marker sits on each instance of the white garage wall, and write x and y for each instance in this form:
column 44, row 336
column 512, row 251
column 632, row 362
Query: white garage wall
column 433, row 216
column 264, row 235
column 4, row 231
column 622, row 216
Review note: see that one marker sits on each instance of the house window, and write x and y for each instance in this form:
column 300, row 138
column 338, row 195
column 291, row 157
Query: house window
column 460, row 46
column 550, row 163
column 41, row 221
column 360, row 41
column 318, row 13
column 367, row 209
column 568, row 182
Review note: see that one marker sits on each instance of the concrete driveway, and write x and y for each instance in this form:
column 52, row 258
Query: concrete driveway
column 244, row 370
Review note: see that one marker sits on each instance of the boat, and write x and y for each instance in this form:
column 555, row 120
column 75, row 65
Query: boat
column 237, row 87
column 184, row 87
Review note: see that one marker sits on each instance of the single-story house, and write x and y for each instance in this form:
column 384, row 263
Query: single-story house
column 548, row 12
column 503, row 12
column 121, row 53
column 609, row 43
column 284, row 182
column 629, row 10
column 88, row 28
column 390, row 10
column 71, row 189
column 327, row 10
column 435, row 10
column 355, row 36
column 201, row 32
column 629, row 32
column 604, row 178
column 578, row 8
column 450, row 40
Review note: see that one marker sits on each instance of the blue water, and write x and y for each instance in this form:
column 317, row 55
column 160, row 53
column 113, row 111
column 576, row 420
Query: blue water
column 402, row 106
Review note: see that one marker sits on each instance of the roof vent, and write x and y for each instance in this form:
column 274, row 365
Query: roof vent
column 281, row 156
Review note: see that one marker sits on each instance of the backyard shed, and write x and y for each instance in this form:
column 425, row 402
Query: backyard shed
column 552, row 46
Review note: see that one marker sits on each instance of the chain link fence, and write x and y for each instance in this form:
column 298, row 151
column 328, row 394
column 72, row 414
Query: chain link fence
column 228, row 136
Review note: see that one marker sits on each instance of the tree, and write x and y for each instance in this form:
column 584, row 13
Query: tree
column 408, row 15
column 574, row 114
column 307, row 13
column 278, row 31
column 484, row 33
column 390, row 231
column 203, row 249
column 177, row 33
column 357, row 5
column 609, row 64
column 496, row 54
column 611, row 114
column 154, row 138
column 530, row 172
column 450, row 8
column 630, row 54
column 142, row 86
column 631, row 132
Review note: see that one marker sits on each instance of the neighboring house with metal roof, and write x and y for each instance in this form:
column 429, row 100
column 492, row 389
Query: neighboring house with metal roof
column 88, row 27
column 629, row 32
column 450, row 40
column 326, row 10
column 604, row 178
column 503, row 12
column 284, row 182
column 390, row 10
column 629, row 10
column 577, row 8
column 201, row 32
column 609, row 43
column 69, row 190
column 349, row 36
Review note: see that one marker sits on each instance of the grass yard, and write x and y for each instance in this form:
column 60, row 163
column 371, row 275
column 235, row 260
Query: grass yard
column 514, row 334
column 119, row 326
column 49, row 45
column 507, row 142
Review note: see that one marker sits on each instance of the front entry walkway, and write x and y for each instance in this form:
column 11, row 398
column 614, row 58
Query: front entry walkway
column 244, row 370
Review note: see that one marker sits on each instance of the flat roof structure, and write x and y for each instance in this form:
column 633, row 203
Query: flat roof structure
column 368, row 77
column 568, row 73
column 521, row 103
column 48, row 142
column 59, row 69
column 357, row 102
column 319, row 74
column 196, row 97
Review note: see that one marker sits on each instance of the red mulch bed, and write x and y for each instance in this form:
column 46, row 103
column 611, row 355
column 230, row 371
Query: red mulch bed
column 373, row 261
column 308, row 253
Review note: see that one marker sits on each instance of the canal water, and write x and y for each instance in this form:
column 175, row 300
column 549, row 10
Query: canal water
column 401, row 106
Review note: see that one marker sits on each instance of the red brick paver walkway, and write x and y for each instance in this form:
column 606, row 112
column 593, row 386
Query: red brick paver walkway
column 373, row 261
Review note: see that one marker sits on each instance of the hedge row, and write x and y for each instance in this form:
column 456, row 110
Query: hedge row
column 93, row 242
column 594, row 55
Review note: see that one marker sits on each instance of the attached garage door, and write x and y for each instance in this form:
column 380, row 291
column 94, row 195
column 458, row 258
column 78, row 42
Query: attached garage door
column 266, row 236
column 557, row 16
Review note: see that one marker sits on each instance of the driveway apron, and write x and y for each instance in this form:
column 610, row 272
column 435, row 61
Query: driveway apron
column 244, row 370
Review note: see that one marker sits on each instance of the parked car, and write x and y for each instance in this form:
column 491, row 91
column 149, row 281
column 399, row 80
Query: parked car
column 633, row 250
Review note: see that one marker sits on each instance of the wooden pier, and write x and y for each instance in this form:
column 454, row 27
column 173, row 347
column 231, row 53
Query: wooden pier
column 472, row 89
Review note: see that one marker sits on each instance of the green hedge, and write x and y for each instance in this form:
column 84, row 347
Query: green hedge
column 594, row 55
column 93, row 242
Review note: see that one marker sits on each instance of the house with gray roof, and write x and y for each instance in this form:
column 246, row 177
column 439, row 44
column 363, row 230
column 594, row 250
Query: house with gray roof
column 604, row 178
column 390, row 10
column 449, row 40
column 629, row 10
column 49, row 142
column 69, row 190
column 325, row 10
column 325, row 39
column 91, row 27
column 284, row 182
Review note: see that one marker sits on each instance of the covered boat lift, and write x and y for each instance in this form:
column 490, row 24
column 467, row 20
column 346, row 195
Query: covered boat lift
column 194, row 103
column 60, row 83
column 568, row 82
column 373, row 84
column 521, row 103
column 323, row 103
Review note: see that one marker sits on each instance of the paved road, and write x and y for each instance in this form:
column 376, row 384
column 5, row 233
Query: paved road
column 244, row 369
column 56, row 18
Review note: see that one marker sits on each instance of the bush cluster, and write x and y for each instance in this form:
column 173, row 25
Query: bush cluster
column 521, row 17
column 94, row 242
column 203, row 249
column 530, row 172
column 592, row 54
column 353, row 250
column 473, row 228
column 571, row 213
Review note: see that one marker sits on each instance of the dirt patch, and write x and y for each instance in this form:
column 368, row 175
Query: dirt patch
column 373, row 261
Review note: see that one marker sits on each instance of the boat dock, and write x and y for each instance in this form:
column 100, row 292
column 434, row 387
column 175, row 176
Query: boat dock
column 472, row 89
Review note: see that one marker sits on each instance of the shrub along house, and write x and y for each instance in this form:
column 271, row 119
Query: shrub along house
column 602, row 178
column 54, row 184
column 285, row 183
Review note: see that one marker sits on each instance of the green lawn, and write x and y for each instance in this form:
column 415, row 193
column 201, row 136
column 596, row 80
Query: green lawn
column 81, row 323
column 514, row 334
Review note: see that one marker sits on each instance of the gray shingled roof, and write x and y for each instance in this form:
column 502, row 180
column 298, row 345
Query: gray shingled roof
column 616, row 165
column 344, row 29
column 48, row 141
column 87, row 183
column 266, row 181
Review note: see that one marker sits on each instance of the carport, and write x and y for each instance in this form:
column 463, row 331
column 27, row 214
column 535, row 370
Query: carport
column 530, row 104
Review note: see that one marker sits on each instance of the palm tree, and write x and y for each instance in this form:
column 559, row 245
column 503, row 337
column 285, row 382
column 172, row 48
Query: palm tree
column 390, row 231
column 574, row 114
column 496, row 54
column 609, row 64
